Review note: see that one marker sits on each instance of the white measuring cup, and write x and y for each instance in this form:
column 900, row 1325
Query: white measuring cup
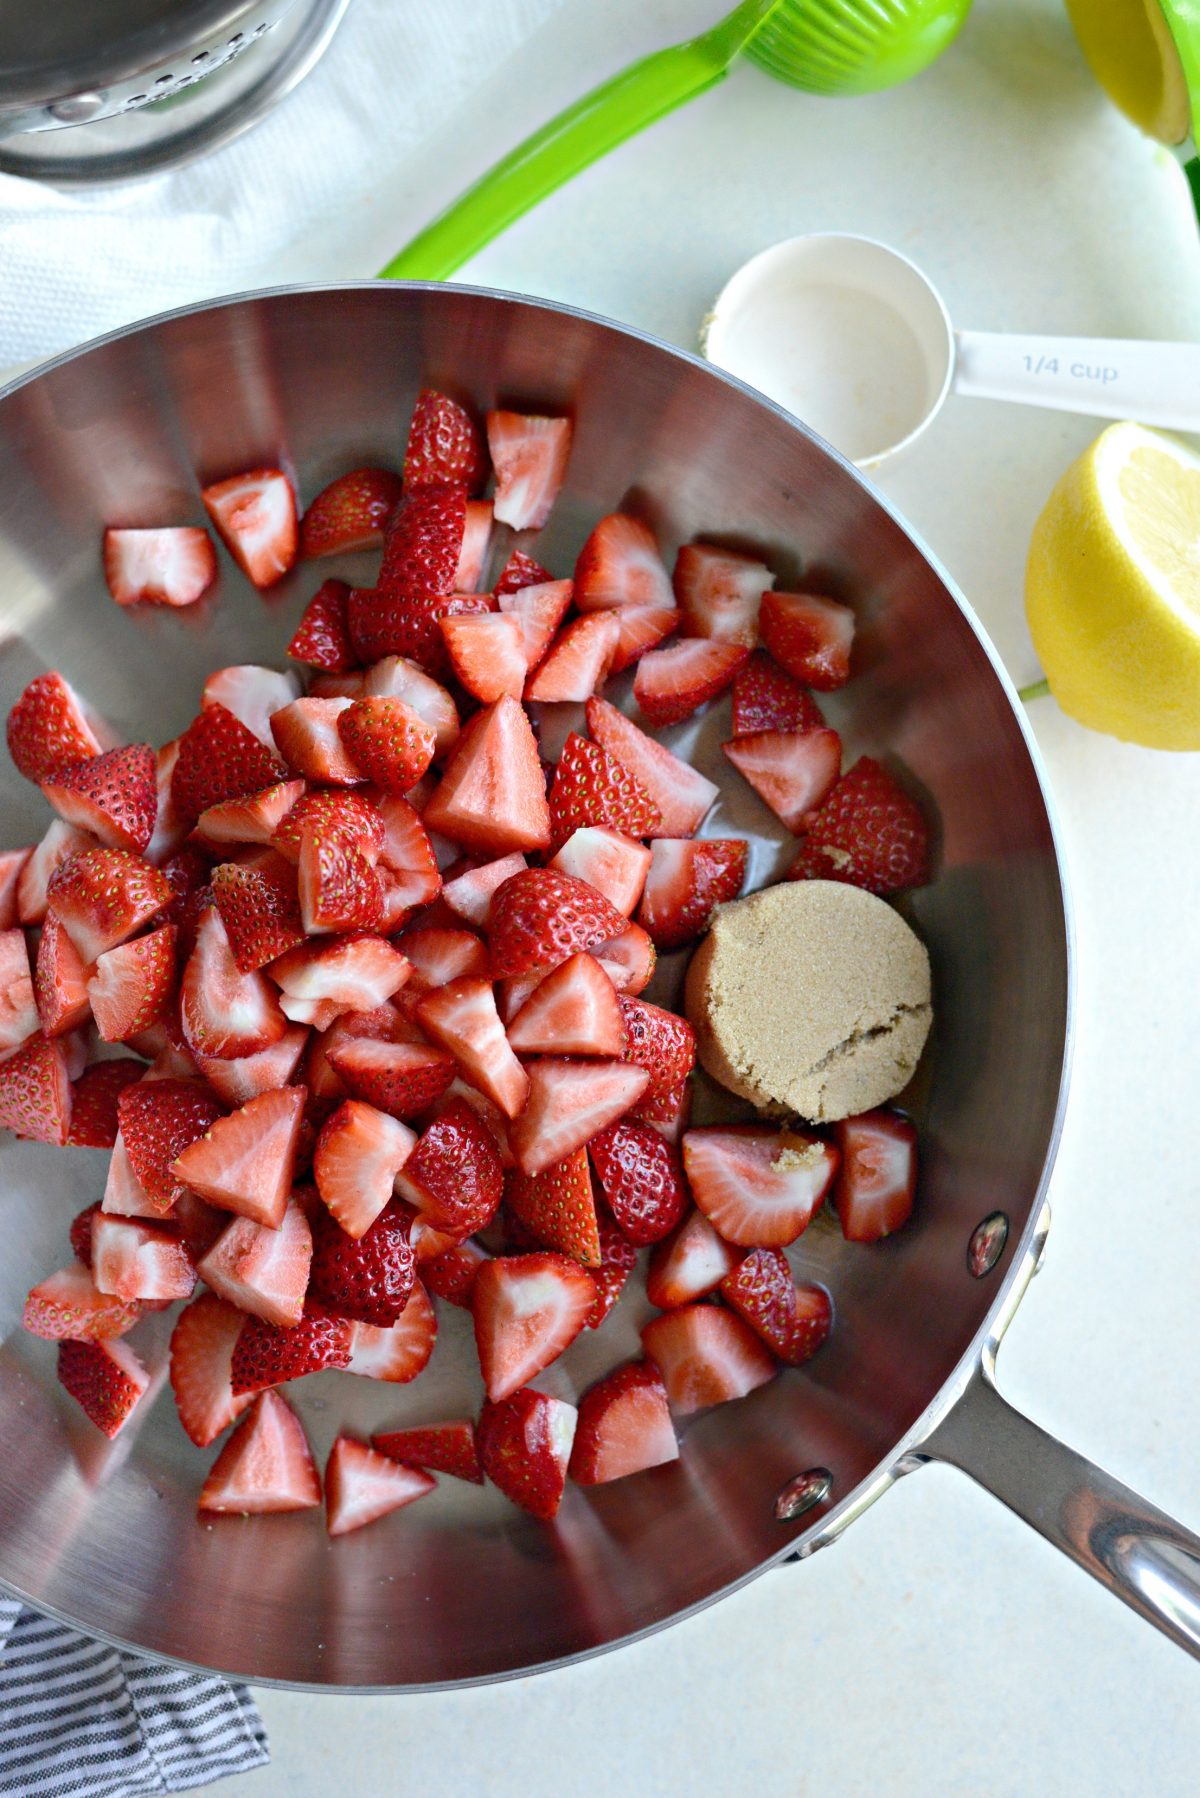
column 855, row 340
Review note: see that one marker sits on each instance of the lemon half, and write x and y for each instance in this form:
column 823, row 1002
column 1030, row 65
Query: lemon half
column 1112, row 588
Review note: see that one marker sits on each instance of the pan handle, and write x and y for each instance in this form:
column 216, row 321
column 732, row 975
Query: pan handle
column 1143, row 1556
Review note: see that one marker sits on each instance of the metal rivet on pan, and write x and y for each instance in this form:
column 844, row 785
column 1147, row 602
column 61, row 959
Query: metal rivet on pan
column 803, row 1493
column 76, row 109
column 987, row 1244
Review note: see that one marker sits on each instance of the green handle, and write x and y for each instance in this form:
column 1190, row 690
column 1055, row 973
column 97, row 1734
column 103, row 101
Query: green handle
column 578, row 137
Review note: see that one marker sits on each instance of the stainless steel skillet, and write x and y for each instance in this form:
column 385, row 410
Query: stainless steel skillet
column 462, row 1587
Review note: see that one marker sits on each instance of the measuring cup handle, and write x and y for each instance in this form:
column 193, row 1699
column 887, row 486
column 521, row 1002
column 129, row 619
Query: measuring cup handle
column 1107, row 377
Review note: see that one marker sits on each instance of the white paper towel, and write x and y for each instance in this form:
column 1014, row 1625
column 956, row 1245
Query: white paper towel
column 75, row 264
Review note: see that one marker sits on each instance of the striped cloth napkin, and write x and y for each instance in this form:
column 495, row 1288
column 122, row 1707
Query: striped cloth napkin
column 79, row 1719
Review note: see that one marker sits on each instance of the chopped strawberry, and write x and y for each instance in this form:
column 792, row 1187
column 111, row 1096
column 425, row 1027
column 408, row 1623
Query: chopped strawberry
column 487, row 654
column 663, row 1044
column 569, row 1101
column 111, row 795
column 791, row 770
column 870, row 832
column 50, row 728
column 13, row 863
column 268, row 1354
column 577, row 661
column 445, row 445
column 394, row 677
column 527, row 1310
column 421, row 548
column 396, row 1352
column 521, row 571
column 706, row 1356
column 387, row 742
column 362, row 1485
column 766, row 697
column 338, row 817
column 253, row 819
column 628, row 959
column 407, row 868
column 350, row 513
column 105, row 1378
column 440, row 954
column 492, row 797
column 124, row 1194
column 57, row 997
column 618, row 1258
column 440, row 1447
column 641, row 1179
column 358, row 972
column 792, row 1320
column 386, row 621
column 454, row 1175
column 202, row 1345
column 337, row 886
column 219, row 758
column 689, row 1264
column 759, row 1187
column 809, row 636
column 877, row 1178
column 476, row 543
column 132, row 984
column 686, row 882
column 640, row 628
column 530, row 457
column 266, row 1465
column 187, row 874
column 620, row 565
column 134, row 1260
column 322, row 637
column 68, row 1304
column 252, row 693
column 255, row 514
column 359, row 1152
column 260, row 911
column 169, row 829
column 101, row 896
column 308, row 737
column 245, row 1077
column 35, row 1091
column 158, row 1120
column 591, row 787
column 719, row 592
column 403, row 1079
column 262, row 1271
column 225, row 1013
column 539, row 918
column 59, row 844
column 539, row 608
column 672, row 683
column 367, row 1277
column 682, row 795
column 451, row 1275
column 463, row 1019
column 172, row 565
column 245, row 1162
column 469, row 894
column 524, row 1448
column 573, row 1011
column 94, row 1111
column 612, row 863
column 557, row 1207
column 624, row 1426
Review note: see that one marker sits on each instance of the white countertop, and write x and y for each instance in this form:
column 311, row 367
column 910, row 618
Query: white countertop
column 941, row 1647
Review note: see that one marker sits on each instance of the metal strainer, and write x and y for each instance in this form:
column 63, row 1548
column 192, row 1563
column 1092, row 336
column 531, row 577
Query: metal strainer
column 94, row 92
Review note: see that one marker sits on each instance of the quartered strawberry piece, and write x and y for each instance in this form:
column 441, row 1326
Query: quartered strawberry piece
column 640, row 628
column 252, row 693
column 368, row 1278
column 158, row 1120
column 403, row 1079
column 308, row 737
column 50, row 728
column 492, row 796
column 577, row 662
column 169, row 829
column 539, row 918
column 407, row 868
column 245, row 1077
column 101, row 896
column 135, row 1260
column 337, row 816
column 268, row 1354
column 394, row 621
column 665, row 1046
column 439, row 954
column 792, row 1320
column 766, row 697
column 591, row 787
column 445, row 445
column 569, row 1101
column 453, row 1176
column 476, row 544
column 487, row 654
column 358, row 972
column 266, row 1465
column 527, row 1310
column 420, row 553
column 124, row 1194
column 94, row 1111
column 35, row 1091
column 13, row 863
column 260, row 1270
column 521, row 571
column 469, row 894
column 171, row 565
column 59, row 844
column 877, row 1178
column 359, row 1152
column 322, row 637
column 641, row 1179
column 463, row 1019
column 539, row 607
column 529, row 455
column 450, row 1275
column 202, row 1345
column 869, row 833
column 337, row 886
column 132, row 985
column 810, row 636
column 790, row 770
column 105, row 1378
column 362, row 1485
column 260, row 910
column 21, row 1011
column 618, row 1258
column 438, row 1447
column 759, row 1187
column 387, row 742
column 573, row 1011
column 350, row 513
column 624, row 1426
column 719, row 592
column 686, row 882
column 606, row 859
column 68, row 1304
column 620, row 565
column 246, row 1162
column 219, row 758
column 689, row 1264
column 395, row 677
column 396, row 1352
column 253, row 819
column 628, row 959
column 706, row 1356
column 557, row 1207
column 682, row 795
column 255, row 515
column 524, row 1448
column 225, row 1013
column 672, row 683
column 114, row 796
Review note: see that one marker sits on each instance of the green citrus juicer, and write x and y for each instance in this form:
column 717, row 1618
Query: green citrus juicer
column 822, row 46
column 1146, row 56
